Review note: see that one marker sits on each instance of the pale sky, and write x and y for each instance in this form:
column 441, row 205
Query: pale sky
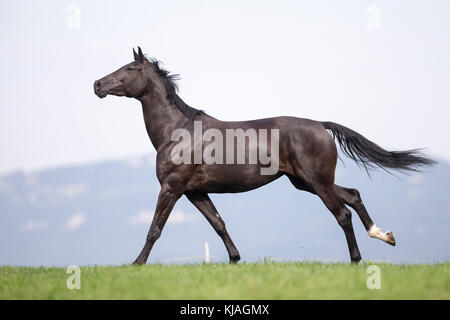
column 383, row 71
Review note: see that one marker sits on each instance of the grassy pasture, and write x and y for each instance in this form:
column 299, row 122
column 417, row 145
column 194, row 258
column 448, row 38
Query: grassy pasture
column 269, row 280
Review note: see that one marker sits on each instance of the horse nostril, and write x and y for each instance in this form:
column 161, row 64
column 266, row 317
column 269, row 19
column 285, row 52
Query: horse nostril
column 97, row 84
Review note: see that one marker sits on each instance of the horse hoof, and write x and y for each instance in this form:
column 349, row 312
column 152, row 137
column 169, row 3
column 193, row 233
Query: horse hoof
column 235, row 259
column 356, row 259
column 390, row 238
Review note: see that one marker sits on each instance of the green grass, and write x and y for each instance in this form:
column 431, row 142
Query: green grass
column 303, row 280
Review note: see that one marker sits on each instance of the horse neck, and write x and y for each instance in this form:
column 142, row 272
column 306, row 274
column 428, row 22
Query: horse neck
column 161, row 119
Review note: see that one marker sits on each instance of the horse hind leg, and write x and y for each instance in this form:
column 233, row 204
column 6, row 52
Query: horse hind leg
column 320, row 181
column 335, row 204
column 352, row 198
column 343, row 216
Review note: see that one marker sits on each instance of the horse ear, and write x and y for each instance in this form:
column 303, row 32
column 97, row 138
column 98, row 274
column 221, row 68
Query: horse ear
column 141, row 55
column 135, row 55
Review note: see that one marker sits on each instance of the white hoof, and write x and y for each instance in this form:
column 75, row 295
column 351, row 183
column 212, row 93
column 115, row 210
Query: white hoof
column 387, row 236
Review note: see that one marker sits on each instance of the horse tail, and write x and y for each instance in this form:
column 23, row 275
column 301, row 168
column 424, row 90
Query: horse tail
column 368, row 154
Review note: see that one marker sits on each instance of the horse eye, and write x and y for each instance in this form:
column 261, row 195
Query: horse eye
column 130, row 68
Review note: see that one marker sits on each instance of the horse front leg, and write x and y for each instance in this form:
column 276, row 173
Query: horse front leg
column 204, row 204
column 167, row 198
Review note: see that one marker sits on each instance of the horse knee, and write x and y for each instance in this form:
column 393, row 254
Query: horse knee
column 168, row 194
column 153, row 234
column 220, row 228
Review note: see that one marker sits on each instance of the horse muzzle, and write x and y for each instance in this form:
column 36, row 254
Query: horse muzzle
column 99, row 90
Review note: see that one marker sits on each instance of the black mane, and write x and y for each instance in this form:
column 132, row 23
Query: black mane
column 171, row 87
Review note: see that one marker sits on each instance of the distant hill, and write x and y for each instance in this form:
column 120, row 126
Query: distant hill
column 100, row 213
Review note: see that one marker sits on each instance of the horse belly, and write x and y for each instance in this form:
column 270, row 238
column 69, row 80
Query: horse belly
column 229, row 178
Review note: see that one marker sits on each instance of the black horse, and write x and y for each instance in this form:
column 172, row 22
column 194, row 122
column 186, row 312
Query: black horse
column 306, row 154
